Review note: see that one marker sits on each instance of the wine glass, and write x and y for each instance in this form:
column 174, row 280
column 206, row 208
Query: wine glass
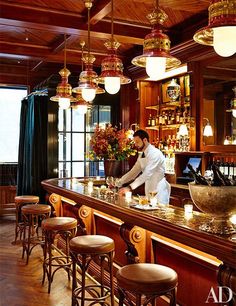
column 110, row 182
column 152, row 198
column 152, row 194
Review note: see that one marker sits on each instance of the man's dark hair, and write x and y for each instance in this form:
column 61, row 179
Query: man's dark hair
column 142, row 134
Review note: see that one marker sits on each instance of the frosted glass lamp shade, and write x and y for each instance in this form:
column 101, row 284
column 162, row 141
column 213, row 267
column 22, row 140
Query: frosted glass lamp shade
column 224, row 40
column 234, row 113
column 64, row 103
column 155, row 67
column 207, row 130
column 82, row 109
column 183, row 130
column 112, row 84
column 88, row 94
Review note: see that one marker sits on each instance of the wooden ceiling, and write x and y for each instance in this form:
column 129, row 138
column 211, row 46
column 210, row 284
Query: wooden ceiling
column 32, row 33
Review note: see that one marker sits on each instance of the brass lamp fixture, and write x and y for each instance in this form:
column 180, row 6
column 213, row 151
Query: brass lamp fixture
column 112, row 66
column 88, row 78
column 221, row 30
column 207, row 131
column 156, row 47
column 81, row 105
column 232, row 108
column 64, row 89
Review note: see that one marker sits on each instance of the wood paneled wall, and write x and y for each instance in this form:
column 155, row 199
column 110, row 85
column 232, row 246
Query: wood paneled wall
column 7, row 195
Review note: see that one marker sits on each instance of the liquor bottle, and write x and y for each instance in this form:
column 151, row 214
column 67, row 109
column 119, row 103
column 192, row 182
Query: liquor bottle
column 169, row 117
column 188, row 114
column 149, row 120
column 172, row 117
column 160, row 119
column 226, row 168
column 157, row 120
column 199, row 179
column 177, row 115
column 220, row 165
column 181, row 117
column 218, row 178
column 231, row 170
column 153, row 121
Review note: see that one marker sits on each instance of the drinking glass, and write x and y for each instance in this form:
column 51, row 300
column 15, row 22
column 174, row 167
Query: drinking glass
column 110, row 182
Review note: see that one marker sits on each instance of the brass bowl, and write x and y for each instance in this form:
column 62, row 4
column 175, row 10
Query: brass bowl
column 217, row 201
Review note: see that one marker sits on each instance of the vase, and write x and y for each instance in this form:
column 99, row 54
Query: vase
column 112, row 167
column 173, row 90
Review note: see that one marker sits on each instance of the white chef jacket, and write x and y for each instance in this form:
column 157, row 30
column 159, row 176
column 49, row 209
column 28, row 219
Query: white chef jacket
column 152, row 167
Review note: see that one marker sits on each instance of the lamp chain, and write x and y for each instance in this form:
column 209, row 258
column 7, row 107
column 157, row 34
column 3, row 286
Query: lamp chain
column 82, row 55
column 65, row 51
column 88, row 32
column 112, row 20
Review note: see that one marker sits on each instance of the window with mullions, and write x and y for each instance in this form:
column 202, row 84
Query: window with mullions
column 75, row 130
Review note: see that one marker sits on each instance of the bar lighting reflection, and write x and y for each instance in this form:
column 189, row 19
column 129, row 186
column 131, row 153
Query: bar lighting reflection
column 188, row 211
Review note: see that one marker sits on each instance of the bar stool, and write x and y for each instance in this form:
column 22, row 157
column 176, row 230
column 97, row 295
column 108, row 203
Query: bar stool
column 145, row 279
column 32, row 214
column 53, row 227
column 19, row 202
column 86, row 248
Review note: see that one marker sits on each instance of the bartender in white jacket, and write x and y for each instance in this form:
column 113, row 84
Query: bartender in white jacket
column 152, row 165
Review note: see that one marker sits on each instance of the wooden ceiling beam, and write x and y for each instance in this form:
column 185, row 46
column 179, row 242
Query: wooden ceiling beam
column 59, row 22
column 102, row 9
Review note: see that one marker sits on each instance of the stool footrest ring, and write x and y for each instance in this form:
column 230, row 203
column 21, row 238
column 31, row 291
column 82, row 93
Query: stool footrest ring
column 92, row 289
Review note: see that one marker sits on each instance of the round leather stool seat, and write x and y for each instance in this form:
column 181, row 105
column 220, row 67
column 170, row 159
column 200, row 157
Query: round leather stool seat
column 59, row 224
column 36, row 209
column 92, row 244
column 26, row 199
column 146, row 282
column 146, row 278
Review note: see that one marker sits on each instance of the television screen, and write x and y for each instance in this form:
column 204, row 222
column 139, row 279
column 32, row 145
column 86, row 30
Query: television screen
column 194, row 162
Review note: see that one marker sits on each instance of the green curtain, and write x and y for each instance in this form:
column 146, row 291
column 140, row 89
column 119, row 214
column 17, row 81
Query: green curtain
column 32, row 156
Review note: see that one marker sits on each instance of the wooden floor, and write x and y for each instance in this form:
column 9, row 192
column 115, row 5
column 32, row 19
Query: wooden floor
column 21, row 284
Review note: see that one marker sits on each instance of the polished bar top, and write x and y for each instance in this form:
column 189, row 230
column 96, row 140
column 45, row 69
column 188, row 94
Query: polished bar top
column 170, row 222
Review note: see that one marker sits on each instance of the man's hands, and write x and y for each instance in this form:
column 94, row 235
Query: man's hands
column 123, row 190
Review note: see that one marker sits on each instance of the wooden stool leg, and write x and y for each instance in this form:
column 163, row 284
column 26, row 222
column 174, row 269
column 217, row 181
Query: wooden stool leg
column 102, row 274
column 30, row 232
column 111, row 277
column 49, row 262
column 83, row 268
column 45, row 255
column 121, row 297
column 74, row 280
column 173, row 297
column 138, row 300
column 68, row 234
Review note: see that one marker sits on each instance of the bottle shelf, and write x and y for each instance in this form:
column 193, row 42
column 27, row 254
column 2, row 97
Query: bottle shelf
column 166, row 127
column 155, row 127
column 154, row 107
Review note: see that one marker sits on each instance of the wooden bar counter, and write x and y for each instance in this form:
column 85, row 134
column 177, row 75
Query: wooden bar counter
column 204, row 262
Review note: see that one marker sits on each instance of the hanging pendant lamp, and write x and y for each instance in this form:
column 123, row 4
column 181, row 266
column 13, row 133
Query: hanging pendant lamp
column 88, row 78
column 81, row 105
column 64, row 89
column 221, row 30
column 156, row 55
column 112, row 66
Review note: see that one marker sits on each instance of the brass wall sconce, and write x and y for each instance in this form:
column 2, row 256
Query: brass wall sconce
column 207, row 130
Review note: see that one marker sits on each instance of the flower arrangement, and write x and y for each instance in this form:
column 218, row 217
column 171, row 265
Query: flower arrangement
column 111, row 143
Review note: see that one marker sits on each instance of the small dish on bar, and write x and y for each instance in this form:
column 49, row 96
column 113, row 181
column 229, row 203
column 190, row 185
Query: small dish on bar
column 144, row 207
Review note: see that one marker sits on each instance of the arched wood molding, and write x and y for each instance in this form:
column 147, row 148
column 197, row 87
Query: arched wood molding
column 135, row 239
